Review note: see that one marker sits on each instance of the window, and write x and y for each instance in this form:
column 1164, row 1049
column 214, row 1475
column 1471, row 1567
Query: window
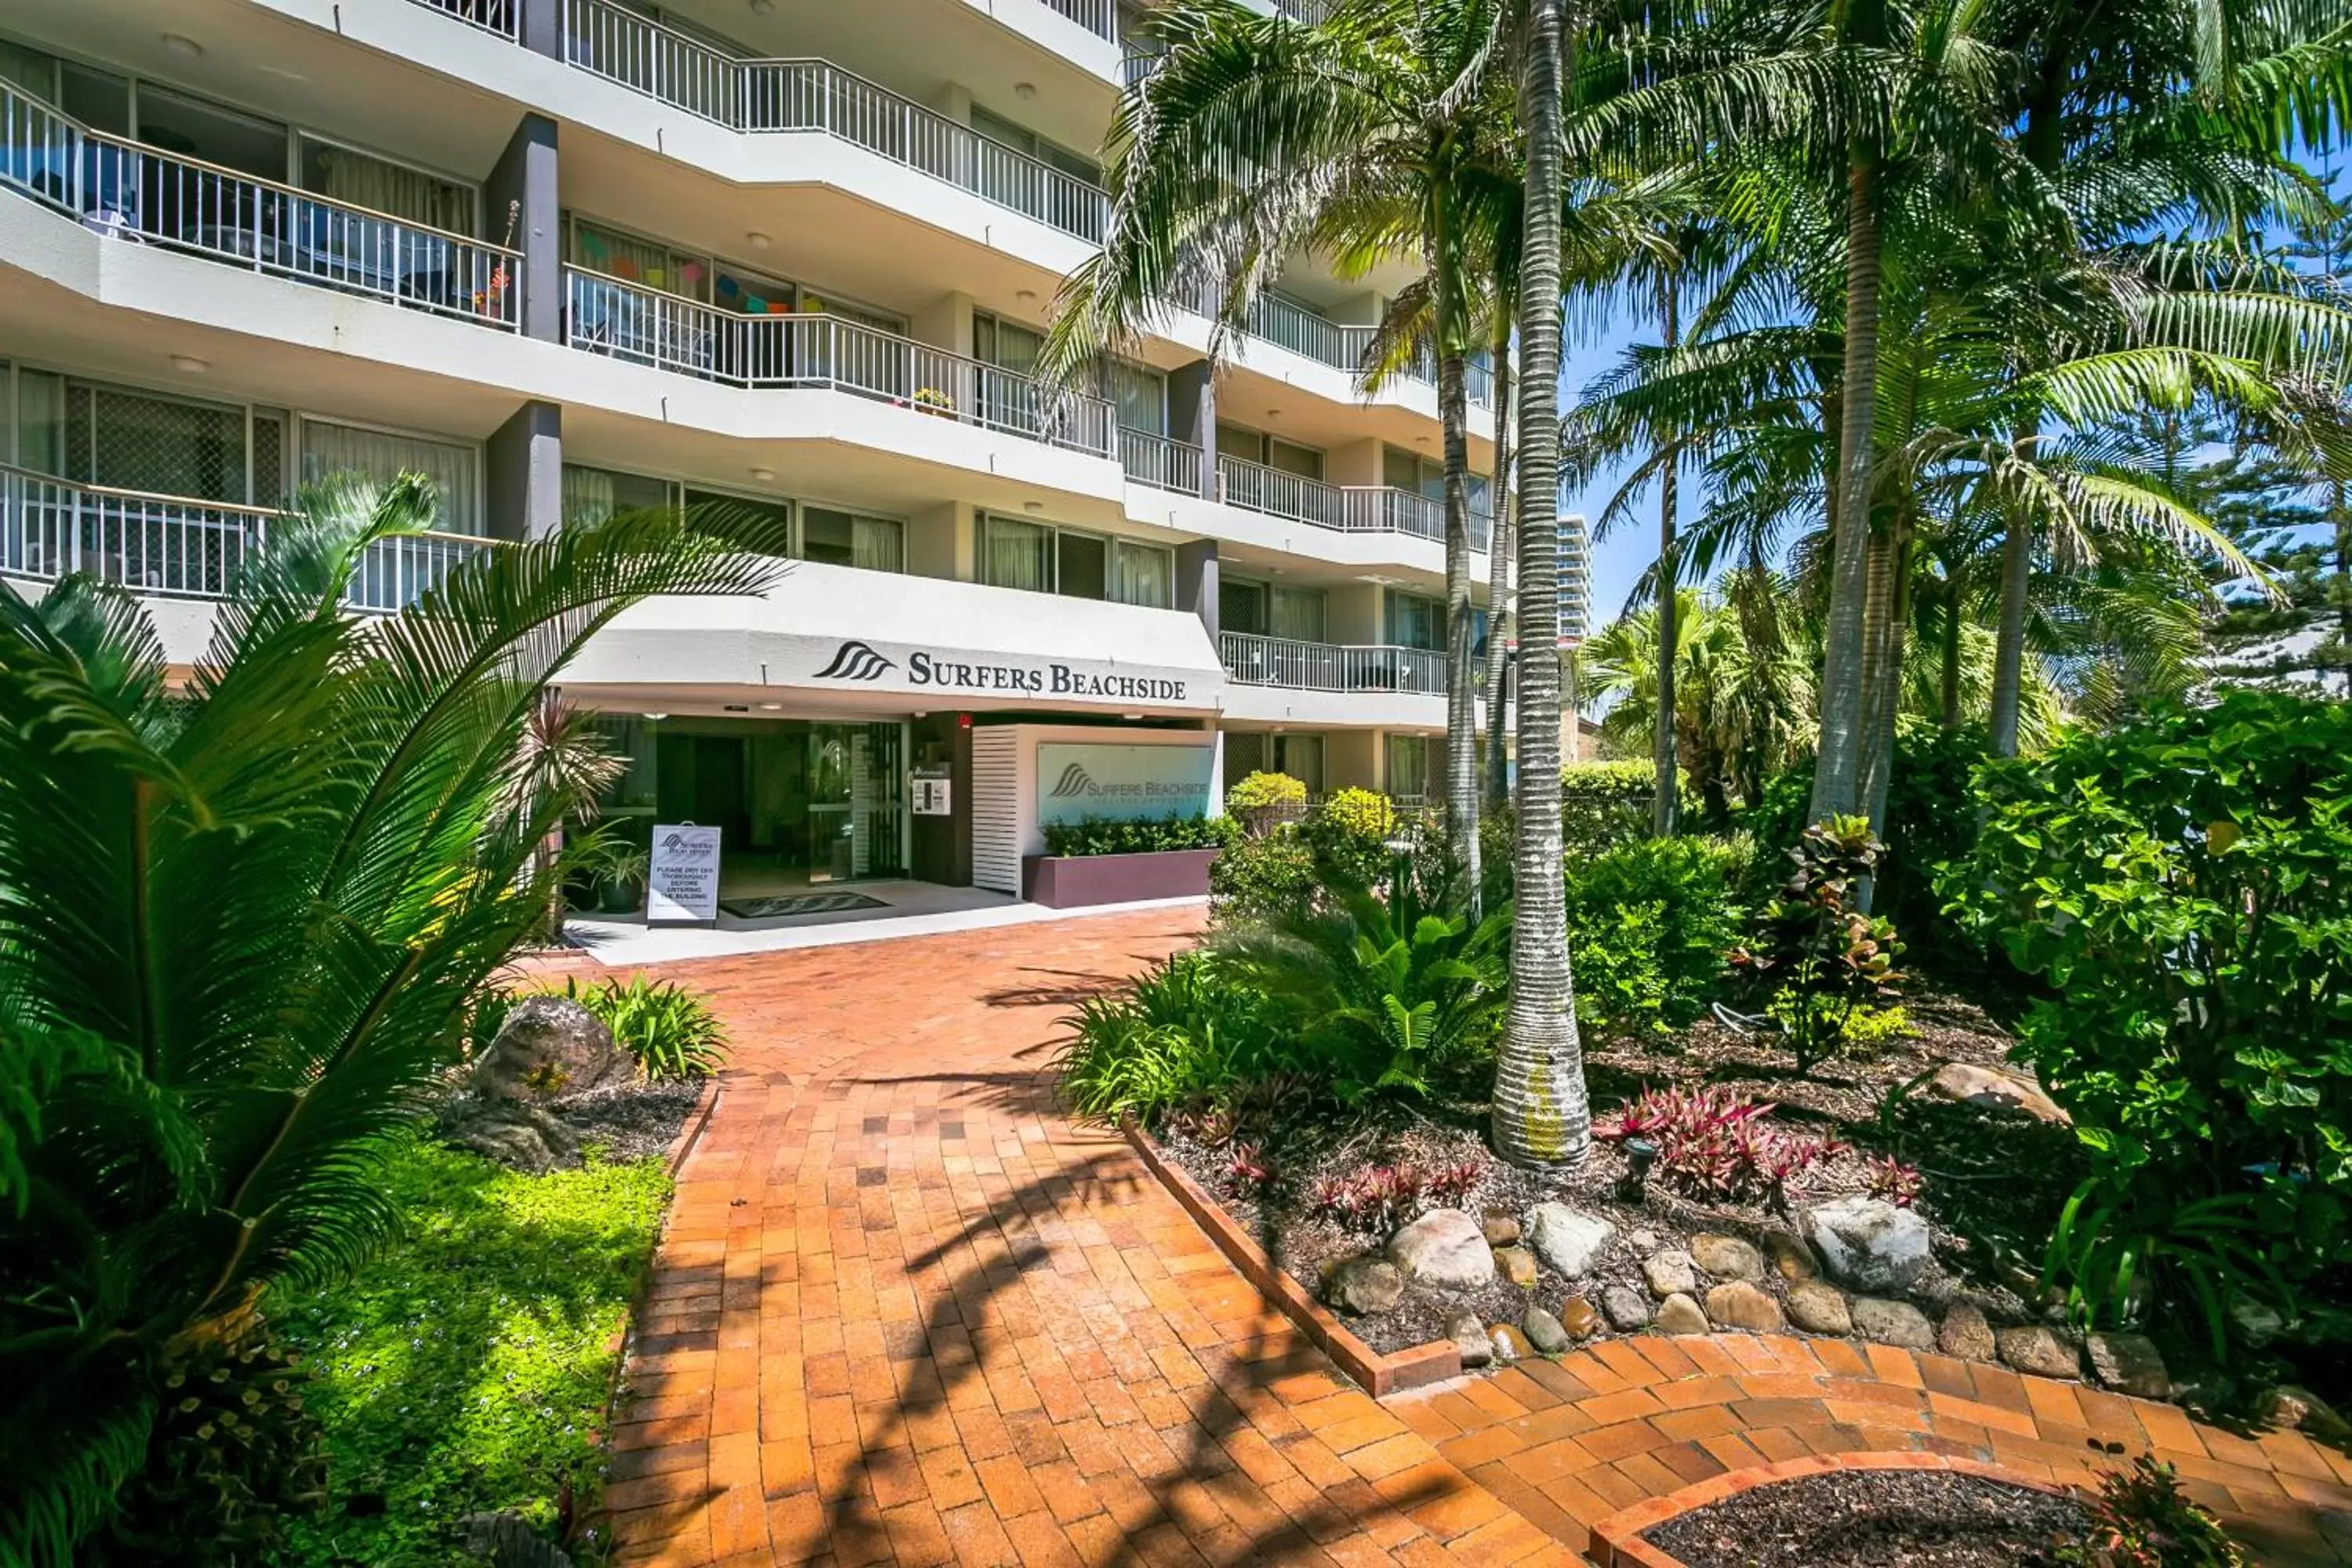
column 1021, row 139
column 1141, row 395
column 1007, row 346
column 1298, row 614
column 29, row 70
column 777, row 515
column 193, row 128
column 365, row 179
column 1241, row 607
column 633, row 260
column 452, row 468
column 131, row 440
column 844, row 539
column 1300, row 756
column 1269, row 451
column 1404, row 470
column 1414, row 621
column 1408, row 773
column 1044, row 559
column 592, row 495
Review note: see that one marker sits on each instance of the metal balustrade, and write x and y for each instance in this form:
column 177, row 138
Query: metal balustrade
column 1099, row 17
column 1254, row 660
column 1156, row 461
column 501, row 18
column 179, row 547
column 779, row 95
column 136, row 194
column 646, row 326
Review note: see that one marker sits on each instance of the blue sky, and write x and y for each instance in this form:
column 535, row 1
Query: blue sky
column 1621, row 558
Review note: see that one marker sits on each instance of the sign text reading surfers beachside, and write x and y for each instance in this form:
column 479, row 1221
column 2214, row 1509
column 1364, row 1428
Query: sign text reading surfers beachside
column 1053, row 680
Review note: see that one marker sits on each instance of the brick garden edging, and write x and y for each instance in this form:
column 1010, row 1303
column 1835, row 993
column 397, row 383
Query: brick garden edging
column 1617, row 1540
column 1381, row 1375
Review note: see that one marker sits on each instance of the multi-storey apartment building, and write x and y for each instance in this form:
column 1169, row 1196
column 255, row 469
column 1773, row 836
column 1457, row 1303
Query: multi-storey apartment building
column 565, row 256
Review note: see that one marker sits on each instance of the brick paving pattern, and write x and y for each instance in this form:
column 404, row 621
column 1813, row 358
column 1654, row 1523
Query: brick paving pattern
column 906, row 1313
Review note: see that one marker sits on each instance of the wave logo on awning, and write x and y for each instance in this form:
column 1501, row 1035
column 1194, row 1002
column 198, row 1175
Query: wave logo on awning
column 854, row 660
column 1075, row 780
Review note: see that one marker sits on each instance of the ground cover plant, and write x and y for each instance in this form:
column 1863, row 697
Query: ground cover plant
column 467, row 1370
column 241, row 924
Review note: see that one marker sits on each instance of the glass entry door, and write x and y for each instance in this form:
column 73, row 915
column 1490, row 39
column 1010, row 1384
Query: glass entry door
column 832, row 849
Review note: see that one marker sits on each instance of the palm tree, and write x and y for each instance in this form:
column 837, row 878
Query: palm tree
column 1541, row 1115
column 1368, row 136
column 240, row 925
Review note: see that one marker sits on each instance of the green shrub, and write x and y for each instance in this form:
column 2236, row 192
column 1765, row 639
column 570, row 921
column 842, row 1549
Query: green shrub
column 1815, row 954
column 1870, row 1029
column 1379, row 991
column 1261, row 791
column 1258, row 876
column 466, row 1369
column 1139, row 835
column 671, row 1031
column 1182, row 1032
column 1604, row 805
column 2141, row 1519
column 1349, row 834
column 1649, row 926
column 2184, row 886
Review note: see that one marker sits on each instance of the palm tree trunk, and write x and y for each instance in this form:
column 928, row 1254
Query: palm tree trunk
column 1838, row 770
column 2342, row 579
column 1890, row 603
column 1461, row 659
column 1499, row 537
column 1955, row 590
column 1542, row 1116
column 1663, row 802
column 2008, row 638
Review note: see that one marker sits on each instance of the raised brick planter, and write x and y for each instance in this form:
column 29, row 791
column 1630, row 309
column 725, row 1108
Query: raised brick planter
column 1076, row 882
column 1379, row 1375
column 1617, row 1540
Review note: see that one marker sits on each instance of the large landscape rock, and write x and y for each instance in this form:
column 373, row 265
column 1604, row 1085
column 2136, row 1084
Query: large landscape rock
column 549, row 1045
column 1678, row 1314
column 2129, row 1364
column 1726, row 1257
column 2298, row 1409
column 1965, row 1334
column 1869, row 1244
column 1569, row 1240
column 1818, row 1307
column 2045, row 1353
column 1897, row 1324
column 1669, row 1273
column 1444, row 1247
column 1740, row 1305
column 1364, row 1286
column 517, row 1134
column 1970, row 1084
column 1469, row 1336
column 1791, row 1259
column 1625, row 1307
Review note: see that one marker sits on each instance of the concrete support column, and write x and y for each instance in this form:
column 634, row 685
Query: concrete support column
column 523, row 184
column 1192, row 416
column 523, row 463
column 1196, row 580
column 542, row 27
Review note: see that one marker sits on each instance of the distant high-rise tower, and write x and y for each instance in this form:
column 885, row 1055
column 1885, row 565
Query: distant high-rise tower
column 1575, row 578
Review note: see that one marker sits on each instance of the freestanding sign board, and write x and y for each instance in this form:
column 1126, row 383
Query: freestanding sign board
column 682, row 876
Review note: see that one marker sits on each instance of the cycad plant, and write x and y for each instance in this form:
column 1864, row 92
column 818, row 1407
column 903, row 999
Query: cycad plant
column 242, row 913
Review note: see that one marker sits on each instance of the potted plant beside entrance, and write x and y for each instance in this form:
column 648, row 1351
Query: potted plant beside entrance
column 1112, row 860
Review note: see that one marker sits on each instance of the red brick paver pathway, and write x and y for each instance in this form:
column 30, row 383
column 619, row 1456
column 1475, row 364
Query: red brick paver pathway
column 906, row 1313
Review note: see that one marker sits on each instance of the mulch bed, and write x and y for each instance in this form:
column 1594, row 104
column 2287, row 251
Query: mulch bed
column 1866, row 1519
column 1976, row 1160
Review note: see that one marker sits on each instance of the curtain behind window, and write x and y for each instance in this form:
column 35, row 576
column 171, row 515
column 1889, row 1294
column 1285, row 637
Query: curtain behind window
column 452, row 469
column 1141, row 575
column 372, row 183
column 1298, row 614
column 1141, row 395
column 1409, row 764
column 1017, row 555
column 592, row 495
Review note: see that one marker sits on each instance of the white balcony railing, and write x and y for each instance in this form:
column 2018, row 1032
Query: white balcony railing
column 1253, row 660
column 606, row 315
column 1099, row 17
column 1156, row 461
column 184, row 548
column 132, row 192
column 1350, row 509
column 779, row 95
column 502, row 17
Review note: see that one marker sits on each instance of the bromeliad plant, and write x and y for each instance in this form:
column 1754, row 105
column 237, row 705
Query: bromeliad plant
column 1819, row 955
column 241, row 920
column 1713, row 1142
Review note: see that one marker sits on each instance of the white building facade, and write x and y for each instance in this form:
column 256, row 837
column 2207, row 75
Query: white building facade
column 569, row 255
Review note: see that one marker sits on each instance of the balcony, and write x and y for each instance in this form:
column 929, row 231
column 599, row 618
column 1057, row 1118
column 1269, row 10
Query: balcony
column 1254, row 660
column 183, row 548
column 628, row 322
column 1286, row 323
column 1167, row 465
column 761, row 96
column 124, row 191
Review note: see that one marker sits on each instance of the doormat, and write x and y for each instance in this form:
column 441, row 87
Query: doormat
column 798, row 904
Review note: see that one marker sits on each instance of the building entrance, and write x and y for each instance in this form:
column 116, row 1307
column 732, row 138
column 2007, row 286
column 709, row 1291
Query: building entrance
column 798, row 802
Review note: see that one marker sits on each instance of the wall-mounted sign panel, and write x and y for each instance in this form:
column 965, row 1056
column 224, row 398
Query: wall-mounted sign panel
column 1127, row 783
